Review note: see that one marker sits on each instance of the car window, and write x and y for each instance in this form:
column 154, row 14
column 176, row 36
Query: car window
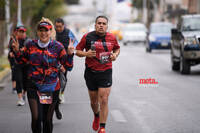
column 161, row 28
column 191, row 24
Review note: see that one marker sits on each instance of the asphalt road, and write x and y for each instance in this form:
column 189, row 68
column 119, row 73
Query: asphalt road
column 171, row 106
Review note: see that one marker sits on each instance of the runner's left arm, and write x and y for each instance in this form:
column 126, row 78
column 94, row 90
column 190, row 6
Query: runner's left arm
column 66, row 60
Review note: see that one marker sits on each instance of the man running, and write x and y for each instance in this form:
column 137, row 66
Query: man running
column 101, row 48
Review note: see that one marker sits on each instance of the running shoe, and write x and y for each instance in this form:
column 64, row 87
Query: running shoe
column 20, row 102
column 58, row 114
column 95, row 124
column 102, row 130
column 24, row 97
column 14, row 91
column 62, row 98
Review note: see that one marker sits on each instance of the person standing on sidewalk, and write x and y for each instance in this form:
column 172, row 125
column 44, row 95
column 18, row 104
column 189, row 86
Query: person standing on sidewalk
column 12, row 61
column 101, row 48
column 18, row 69
column 67, row 38
column 43, row 56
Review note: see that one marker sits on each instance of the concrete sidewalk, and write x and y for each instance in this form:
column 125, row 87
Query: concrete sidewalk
column 3, row 75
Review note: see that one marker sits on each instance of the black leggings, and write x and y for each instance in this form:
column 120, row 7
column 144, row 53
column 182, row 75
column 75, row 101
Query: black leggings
column 18, row 76
column 41, row 113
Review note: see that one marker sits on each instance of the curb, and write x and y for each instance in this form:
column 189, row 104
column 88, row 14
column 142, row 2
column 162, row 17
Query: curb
column 3, row 74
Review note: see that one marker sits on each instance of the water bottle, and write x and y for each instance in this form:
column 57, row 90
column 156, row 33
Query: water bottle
column 93, row 48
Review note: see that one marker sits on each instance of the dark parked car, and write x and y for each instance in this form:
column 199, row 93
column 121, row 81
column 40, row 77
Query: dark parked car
column 185, row 48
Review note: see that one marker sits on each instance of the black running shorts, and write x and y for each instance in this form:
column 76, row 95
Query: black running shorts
column 98, row 79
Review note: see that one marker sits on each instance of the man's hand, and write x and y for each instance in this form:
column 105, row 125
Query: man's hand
column 91, row 53
column 113, row 56
column 71, row 48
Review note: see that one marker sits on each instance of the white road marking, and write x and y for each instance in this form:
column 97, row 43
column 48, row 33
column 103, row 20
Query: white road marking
column 118, row 116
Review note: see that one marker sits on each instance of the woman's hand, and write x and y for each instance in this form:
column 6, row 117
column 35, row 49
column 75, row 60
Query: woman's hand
column 71, row 48
column 11, row 54
column 62, row 69
column 15, row 44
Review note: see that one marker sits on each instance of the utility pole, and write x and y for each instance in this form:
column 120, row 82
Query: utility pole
column 148, row 15
column 19, row 13
column 161, row 10
column 105, row 10
column 7, row 16
column 109, row 5
column 94, row 2
column 144, row 11
column 2, row 26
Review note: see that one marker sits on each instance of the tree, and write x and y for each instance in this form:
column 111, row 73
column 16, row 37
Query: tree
column 139, row 3
column 2, row 26
column 34, row 10
column 71, row 2
column 151, row 7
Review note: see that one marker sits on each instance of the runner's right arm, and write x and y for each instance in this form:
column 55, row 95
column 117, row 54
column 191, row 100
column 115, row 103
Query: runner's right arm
column 80, row 49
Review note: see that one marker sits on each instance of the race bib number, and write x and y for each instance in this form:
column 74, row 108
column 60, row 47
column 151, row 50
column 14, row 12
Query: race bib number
column 45, row 97
column 104, row 57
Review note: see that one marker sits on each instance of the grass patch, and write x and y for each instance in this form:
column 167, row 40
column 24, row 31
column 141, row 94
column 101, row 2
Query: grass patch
column 4, row 63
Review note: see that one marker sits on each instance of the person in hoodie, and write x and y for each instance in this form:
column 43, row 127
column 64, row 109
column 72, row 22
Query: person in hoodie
column 67, row 38
column 43, row 56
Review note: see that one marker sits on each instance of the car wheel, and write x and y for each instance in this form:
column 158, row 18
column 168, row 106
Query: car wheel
column 144, row 42
column 148, row 50
column 174, row 64
column 184, row 66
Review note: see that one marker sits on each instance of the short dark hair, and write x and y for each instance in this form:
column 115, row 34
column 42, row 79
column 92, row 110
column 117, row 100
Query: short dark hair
column 102, row 16
column 59, row 20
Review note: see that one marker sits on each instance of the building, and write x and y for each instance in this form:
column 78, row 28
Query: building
column 193, row 6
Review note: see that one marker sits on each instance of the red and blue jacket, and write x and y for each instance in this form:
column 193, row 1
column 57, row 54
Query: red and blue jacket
column 43, row 62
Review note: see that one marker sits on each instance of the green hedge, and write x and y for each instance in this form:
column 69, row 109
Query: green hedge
column 4, row 63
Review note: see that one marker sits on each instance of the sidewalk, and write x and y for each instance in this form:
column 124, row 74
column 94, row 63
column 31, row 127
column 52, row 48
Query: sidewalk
column 4, row 74
column 6, row 68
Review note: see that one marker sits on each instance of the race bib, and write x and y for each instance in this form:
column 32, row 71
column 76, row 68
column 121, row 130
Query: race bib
column 104, row 57
column 45, row 97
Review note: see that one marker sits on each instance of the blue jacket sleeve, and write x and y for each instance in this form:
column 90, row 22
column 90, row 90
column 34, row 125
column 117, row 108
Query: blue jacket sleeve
column 72, row 36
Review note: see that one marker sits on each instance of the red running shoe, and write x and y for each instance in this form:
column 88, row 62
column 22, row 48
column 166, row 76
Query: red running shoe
column 95, row 124
column 102, row 130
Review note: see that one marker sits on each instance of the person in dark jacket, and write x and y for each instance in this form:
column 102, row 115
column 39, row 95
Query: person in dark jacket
column 67, row 38
column 12, row 62
column 18, row 73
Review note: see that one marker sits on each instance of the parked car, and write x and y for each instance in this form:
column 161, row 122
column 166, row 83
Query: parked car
column 185, row 50
column 159, row 36
column 134, row 32
column 116, row 30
